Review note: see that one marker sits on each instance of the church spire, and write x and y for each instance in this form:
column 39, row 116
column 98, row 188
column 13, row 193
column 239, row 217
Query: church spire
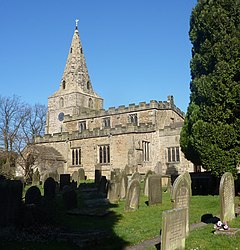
column 75, row 75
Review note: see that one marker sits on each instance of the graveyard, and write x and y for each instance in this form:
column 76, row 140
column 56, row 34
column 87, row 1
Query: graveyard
column 125, row 212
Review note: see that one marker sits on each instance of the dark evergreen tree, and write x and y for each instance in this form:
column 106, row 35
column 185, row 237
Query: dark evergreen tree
column 211, row 133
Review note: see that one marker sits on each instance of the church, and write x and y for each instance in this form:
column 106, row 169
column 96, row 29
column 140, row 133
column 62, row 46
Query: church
column 80, row 133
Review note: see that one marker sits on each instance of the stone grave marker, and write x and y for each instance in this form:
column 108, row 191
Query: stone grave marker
column 102, row 187
column 145, row 187
column 10, row 202
column 64, row 180
column 75, row 176
column 173, row 234
column 154, row 189
column 81, row 174
column 227, row 196
column 33, row 196
column 49, row 188
column 188, row 178
column 133, row 195
column 123, row 186
column 180, row 195
column 113, row 191
column 98, row 175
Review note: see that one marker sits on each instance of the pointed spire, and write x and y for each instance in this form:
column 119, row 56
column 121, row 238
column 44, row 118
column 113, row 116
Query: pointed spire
column 75, row 74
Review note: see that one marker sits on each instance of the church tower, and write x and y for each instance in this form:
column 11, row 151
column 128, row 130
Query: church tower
column 75, row 93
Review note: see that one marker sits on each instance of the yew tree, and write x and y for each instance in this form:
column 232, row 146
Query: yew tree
column 210, row 136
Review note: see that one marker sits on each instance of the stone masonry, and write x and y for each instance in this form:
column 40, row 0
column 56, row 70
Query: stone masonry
column 88, row 136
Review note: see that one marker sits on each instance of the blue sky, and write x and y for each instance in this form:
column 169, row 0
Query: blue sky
column 136, row 50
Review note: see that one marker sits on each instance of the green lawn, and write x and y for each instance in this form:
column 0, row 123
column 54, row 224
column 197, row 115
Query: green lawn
column 129, row 228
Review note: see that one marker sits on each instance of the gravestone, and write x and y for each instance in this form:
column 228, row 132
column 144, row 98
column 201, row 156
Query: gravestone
column 136, row 176
column 180, row 195
column 127, row 169
column 81, row 174
column 75, row 176
column 113, row 191
column 166, row 183
column 189, row 180
column 64, row 180
column 173, row 234
column 133, row 196
column 98, row 175
column 154, row 189
column 33, row 196
column 145, row 187
column 10, row 202
column 123, row 185
column 36, row 178
column 49, row 188
column 227, row 196
column 102, row 187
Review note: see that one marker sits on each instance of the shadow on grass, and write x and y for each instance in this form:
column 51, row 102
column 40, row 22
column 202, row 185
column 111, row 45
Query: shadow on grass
column 90, row 226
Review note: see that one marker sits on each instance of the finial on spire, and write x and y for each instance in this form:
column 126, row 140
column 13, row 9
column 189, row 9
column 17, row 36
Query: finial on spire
column 76, row 23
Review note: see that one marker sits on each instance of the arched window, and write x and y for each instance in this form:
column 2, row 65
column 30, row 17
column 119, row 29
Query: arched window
column 61, row 102
column 90, row 103
column 88, row 85
column 63, row 84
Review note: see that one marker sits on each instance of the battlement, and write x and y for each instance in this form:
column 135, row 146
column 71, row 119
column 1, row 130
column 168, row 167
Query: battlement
column 97, row 132
column 160, row 105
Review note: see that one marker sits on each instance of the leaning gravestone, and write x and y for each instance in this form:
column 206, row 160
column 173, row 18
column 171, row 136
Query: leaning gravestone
column 133, row 196
column 180, row 195
column 173, row 234
column 64, row 180
column 154, row 189
column 123, row 185
column 113, row 191
column 145, row 187
column 227, row 196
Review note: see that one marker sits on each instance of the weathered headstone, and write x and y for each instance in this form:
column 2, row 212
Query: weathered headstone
column 81, row 174
column 173, row 234
column 180, row 195
column 113, row 191
column 123, row 185
column 98, row 175
column 133, row 196
column 102, row 187
column 145, row 187
column 227, row 196
column 64, row 180
column 33, row 196
column 36, row 178
column 75, row 176
column 49, row 188
column 154, row 189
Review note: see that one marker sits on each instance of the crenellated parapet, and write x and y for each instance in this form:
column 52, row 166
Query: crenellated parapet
column 97, row 132
column 142, row 106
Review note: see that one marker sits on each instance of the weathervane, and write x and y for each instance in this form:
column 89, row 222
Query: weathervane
column 76, row 23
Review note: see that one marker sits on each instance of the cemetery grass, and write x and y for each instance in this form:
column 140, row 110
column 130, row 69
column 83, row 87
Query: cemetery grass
column 130, row 228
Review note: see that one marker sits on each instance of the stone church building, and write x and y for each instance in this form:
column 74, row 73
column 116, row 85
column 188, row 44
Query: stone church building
column 137, row 137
